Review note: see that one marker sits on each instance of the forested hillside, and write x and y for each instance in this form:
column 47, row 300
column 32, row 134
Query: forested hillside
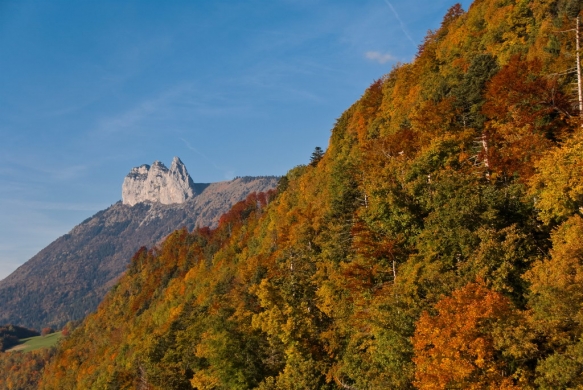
column 436, row 244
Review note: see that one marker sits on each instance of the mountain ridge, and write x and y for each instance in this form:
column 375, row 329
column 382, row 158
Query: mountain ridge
column 67, row 279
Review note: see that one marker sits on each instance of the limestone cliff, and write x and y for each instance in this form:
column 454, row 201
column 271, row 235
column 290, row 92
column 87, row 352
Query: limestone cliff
column 158, row 184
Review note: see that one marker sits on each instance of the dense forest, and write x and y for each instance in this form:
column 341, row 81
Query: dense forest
column 23, row 370
column 437, row 243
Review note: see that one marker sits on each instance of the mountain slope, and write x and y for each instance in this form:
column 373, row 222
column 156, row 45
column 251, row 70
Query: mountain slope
column 437, row 244
column 67, row 279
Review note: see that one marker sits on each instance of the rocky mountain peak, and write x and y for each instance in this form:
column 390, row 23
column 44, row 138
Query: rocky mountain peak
column 158, row 184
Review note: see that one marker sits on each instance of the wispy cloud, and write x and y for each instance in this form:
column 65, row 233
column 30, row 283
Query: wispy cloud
column 129, row 119
column 227, row 173
column 403, row 28
column 29, row 166
column 182, row 102
column 64, row 173
column 381, row 58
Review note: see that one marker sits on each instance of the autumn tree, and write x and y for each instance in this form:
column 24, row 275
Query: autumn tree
column 527, row 112
column 558, row 184
column 23, row 370
column 456, row 348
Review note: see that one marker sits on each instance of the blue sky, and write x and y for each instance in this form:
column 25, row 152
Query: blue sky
column 90, row 89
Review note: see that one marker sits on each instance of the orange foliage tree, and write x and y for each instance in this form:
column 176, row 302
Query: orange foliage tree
column 527, row 112
column 456, row 348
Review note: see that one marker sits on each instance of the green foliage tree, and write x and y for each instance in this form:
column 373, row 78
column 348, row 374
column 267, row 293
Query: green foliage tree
column 556, row 300
column 316, row 156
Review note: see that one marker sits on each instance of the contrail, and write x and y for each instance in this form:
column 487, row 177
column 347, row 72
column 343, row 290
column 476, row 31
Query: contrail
column 189, row 146
column 400, row 22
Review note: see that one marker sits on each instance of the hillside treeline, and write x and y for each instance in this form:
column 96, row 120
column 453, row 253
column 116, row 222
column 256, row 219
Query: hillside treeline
column 436, row 244
column 10, row 335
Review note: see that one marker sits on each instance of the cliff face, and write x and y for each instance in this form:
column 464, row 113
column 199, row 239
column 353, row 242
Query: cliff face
column 68, row 278
column 158, row 184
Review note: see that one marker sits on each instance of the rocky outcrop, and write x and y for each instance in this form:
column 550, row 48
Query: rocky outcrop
column 158, row 184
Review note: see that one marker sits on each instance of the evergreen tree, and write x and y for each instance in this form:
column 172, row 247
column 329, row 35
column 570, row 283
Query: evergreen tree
column 317, row 155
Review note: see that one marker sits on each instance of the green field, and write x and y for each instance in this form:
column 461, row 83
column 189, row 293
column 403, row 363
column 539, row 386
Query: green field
column 38, row 342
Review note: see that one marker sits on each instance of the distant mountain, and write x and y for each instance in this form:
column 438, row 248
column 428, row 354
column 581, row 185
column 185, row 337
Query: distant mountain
column 67, row 279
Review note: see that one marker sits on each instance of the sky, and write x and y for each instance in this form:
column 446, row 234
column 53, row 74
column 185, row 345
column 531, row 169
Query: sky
column 90, row 89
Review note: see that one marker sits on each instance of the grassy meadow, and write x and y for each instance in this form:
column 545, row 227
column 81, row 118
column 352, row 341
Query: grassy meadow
column 38, row 342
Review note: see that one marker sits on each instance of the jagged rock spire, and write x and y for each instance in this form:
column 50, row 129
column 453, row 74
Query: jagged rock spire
column 157, row 183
